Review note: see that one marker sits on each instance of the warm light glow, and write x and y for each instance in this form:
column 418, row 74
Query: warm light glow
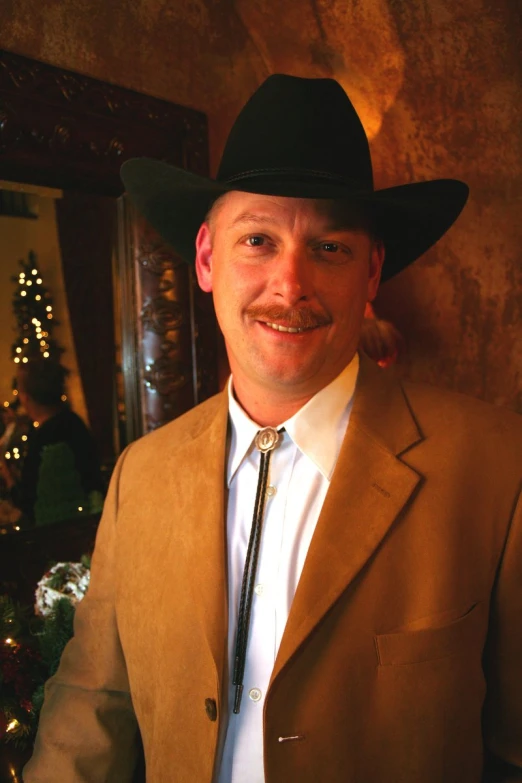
column 24, row 437
column 23, row 293
column 9, row 640
column 8, row 455
column 29, row 282
column 15, row 449
column 25, row 360
column 16, row 359
column 34, row 271
column 46, row 354
column 15, row 392
column 12, row 725
column 22, row 275
column 49, row 315
column 17, row 456
column 18, row 350
column 42, row 342
column 16, row 527
column 26, row 340
column 39, row 280
column 80, row 508
column 48, row 308
column 36, row 423
column 38, row 297
column 63, row 397
column 6, row 404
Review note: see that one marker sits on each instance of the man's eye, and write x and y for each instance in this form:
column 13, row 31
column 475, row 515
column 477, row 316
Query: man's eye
column 255, row 241
column 330, row 247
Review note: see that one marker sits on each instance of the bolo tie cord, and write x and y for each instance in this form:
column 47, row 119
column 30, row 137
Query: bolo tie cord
column 266, row 441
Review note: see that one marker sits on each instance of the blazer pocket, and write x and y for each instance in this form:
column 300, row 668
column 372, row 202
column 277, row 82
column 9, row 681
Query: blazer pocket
column 395, row 649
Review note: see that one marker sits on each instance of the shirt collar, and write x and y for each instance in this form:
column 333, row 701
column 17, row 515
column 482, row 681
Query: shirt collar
column 317, row 429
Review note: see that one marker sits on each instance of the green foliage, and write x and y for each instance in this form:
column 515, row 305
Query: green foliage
column 56, row 632
column 27, row 664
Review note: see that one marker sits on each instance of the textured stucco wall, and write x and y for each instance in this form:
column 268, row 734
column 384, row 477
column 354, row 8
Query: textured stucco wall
column 438, row 87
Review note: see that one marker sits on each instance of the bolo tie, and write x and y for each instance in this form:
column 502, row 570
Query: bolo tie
column 265, row 441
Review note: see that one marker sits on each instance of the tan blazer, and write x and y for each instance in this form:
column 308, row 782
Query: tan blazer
column 403, row 648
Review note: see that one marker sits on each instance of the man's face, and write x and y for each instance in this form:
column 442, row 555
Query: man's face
column 290, row 281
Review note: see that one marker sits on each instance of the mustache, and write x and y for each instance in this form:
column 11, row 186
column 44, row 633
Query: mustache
column 295, row 318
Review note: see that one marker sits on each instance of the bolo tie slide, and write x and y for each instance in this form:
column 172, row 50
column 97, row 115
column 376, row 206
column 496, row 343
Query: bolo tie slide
column 266, row 441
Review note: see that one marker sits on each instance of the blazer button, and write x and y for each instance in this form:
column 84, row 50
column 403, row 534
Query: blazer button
column 211, row 709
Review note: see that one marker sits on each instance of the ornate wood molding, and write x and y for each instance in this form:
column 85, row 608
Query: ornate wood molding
column 71, row 131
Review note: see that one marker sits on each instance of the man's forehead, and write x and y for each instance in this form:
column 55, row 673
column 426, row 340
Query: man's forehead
column 239, row 207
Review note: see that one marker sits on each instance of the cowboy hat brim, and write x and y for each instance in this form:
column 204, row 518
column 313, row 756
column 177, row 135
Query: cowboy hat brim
column 409, row 219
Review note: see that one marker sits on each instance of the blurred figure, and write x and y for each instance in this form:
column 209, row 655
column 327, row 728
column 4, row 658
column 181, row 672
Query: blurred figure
column 379, row 339
column 41, row 390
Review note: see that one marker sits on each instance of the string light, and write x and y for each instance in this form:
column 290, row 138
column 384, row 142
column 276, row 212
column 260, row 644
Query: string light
column 39, row 280
column 16, row 359
column 22, row 275
column 46, row 354
column 49, row 315
column 29, row 282
column 23, row 293
column 36, row 423
column 48, row 308
column 25, row 360
column 26, row 340
column 38, row 297
column 63, row 397
column 24, row 437
column 12, row 725
column 18, row 350
column 8, row 455
column 34, row 271
column 15, row 392
column 80, row 508
column 6, row 404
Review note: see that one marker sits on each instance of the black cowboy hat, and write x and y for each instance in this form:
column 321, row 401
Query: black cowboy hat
column 302, row 138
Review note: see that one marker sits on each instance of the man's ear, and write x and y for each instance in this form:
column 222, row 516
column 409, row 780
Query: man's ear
column 204, row 258
column 376, row 262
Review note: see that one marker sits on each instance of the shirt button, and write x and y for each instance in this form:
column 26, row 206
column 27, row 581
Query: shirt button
column 211, row 709
column 259, row 589
column 255, row 694
column 271, row 491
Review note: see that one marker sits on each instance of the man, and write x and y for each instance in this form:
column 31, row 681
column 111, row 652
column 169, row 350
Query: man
column 347, row 608
column 41, row 390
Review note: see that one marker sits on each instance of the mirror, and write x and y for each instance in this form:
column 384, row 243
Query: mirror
column 138, row 337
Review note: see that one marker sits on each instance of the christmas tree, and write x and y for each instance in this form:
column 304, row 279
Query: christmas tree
column 33, row 310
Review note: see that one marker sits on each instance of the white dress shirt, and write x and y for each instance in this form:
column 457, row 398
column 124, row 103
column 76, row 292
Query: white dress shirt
column 301, row 468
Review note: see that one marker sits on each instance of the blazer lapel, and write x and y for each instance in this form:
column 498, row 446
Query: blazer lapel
column 369, row 488
column 200, row 499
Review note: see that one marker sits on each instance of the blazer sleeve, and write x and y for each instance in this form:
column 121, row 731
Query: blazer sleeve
column 503, row 663
column 88, row 731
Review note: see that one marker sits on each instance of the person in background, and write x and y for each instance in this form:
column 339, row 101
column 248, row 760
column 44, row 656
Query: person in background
column 41, row 391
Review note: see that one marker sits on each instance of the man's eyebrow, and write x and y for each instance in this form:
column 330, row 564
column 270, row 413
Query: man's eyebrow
column 251, row 217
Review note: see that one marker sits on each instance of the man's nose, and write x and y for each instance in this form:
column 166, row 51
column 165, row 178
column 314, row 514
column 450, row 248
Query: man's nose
column 292, row 280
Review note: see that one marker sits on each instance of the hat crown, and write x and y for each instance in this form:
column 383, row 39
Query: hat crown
column 300, row 128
